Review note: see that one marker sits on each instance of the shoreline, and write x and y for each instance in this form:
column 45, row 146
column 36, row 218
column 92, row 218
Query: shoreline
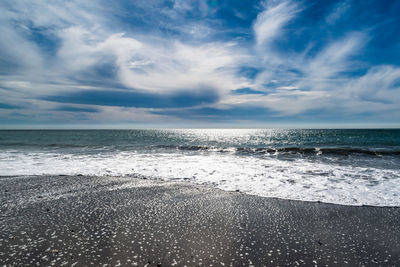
column 183, row 183
column 86, row 220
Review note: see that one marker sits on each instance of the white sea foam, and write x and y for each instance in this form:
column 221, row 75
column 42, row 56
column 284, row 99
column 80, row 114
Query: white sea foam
column 269, row 176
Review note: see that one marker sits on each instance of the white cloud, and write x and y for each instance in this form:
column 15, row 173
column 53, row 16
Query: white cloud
column 269, row 23
column 339, row 10
column 186, row 67
column 335, row 58
column 56, row 13
column 287, row 88
column 11, row 45
column 284, row 102
column 82, row 49
column 380, row 84
column 377, row 91
column 162, row 66
column 302, row 82
column 143, row 62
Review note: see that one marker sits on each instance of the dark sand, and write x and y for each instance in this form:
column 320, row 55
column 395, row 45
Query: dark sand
column 61, row 220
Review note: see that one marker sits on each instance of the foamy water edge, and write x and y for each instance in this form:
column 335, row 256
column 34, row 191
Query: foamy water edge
column 297, row 179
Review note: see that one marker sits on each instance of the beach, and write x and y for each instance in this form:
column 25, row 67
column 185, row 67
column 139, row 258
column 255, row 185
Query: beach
column 199, row 133
column 99, row 221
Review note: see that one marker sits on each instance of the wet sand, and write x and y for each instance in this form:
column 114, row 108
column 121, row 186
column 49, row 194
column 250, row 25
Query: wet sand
column 96, row 221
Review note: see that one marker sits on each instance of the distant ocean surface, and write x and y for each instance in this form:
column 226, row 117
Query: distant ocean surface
column 351, row 167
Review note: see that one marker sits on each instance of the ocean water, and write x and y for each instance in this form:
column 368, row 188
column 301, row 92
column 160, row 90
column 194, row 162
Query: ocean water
column 351, row 167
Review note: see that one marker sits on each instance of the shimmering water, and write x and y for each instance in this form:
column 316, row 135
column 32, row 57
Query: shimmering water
column 351, row 167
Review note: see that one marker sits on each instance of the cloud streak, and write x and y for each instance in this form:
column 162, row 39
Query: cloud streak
column 269, row 23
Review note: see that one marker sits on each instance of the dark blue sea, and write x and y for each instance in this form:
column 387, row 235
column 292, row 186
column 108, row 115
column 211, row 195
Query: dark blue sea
column 344, row 166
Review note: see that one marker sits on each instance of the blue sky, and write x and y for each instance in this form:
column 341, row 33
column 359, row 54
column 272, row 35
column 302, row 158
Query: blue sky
column 199, row 63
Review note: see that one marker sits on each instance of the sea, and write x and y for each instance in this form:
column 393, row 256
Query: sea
column 341, row 166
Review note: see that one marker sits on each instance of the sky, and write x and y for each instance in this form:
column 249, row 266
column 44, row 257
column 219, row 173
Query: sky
column 199, row 63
